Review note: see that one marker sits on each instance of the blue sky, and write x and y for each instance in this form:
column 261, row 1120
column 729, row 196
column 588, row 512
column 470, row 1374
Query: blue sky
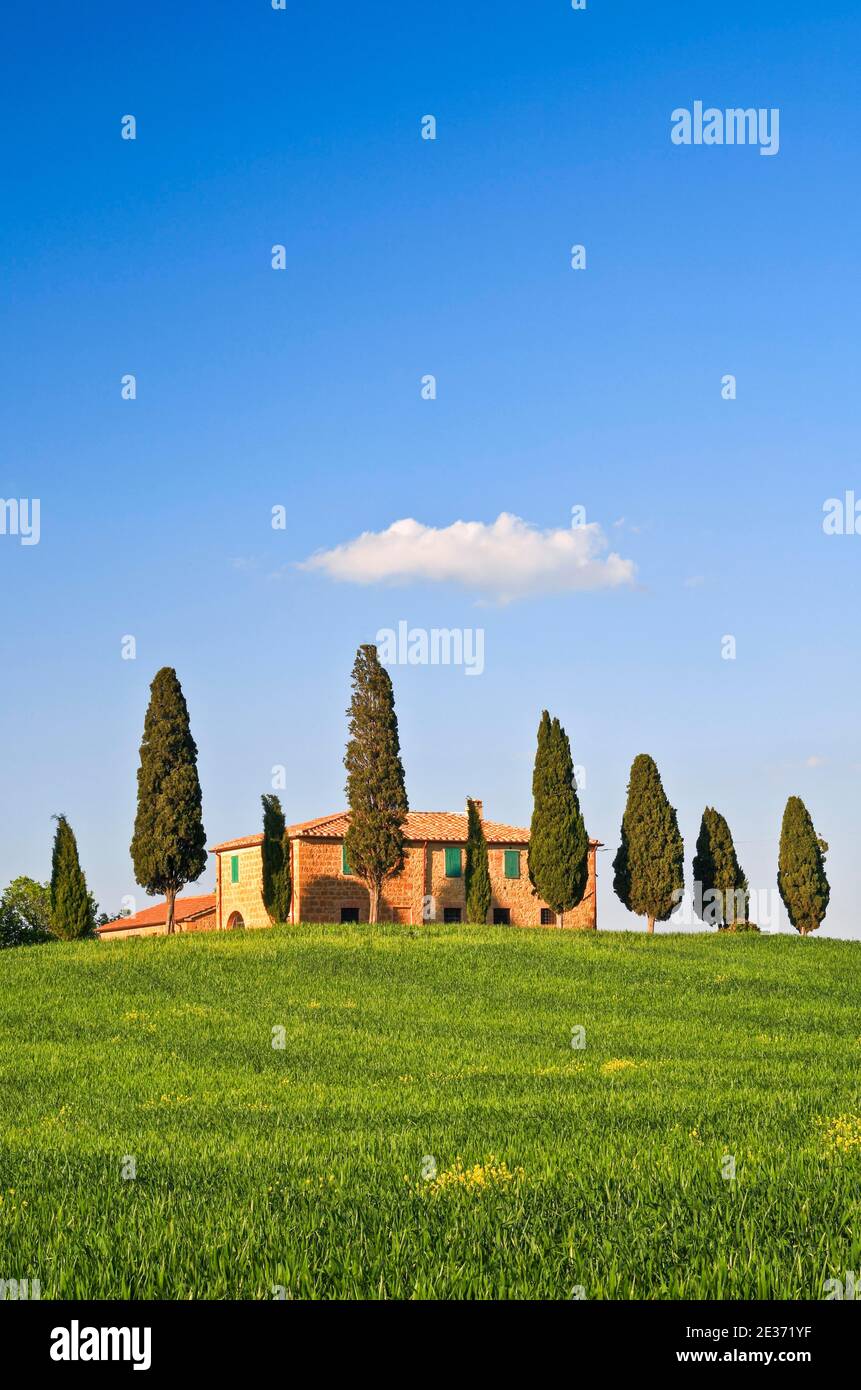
column 301, row 388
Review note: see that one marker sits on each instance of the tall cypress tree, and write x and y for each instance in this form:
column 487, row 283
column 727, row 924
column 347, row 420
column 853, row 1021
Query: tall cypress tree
column 720, row 887
column 276, row 860
column 376, row 793
column 476, row 874
column 558, row 855
column 169, row 843
column 71, row 904
column 649, row 874
column 801, row 869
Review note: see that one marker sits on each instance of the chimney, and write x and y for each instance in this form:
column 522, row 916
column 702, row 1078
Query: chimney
column 479, row 806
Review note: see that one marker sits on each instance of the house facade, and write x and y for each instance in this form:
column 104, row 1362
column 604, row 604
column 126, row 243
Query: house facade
column 429, row 887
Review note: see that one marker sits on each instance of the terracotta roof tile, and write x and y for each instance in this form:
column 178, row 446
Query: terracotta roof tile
column 244, row 842
column 419, row 825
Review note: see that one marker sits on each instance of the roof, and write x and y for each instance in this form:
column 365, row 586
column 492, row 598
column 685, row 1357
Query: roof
column 450, row 826
column 243, row 842
column 184, row 909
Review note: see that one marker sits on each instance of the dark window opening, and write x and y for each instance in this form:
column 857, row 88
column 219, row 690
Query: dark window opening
column 349, row 914
column 451, row 914
column 502, row 917
column 548, row 917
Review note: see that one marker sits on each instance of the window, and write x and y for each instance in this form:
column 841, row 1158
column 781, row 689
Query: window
column 451, row 914
column 502, row 917
column 349, row 914
column 345, row 865
column 512, row 863
column 235, row 922
column 452, row 864
column 234, row 868
column 548, row 917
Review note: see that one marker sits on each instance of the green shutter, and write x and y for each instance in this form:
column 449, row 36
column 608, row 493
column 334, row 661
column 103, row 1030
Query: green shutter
column 234, row 868
column 452, row 863
column 512, row 863
column 345, row 863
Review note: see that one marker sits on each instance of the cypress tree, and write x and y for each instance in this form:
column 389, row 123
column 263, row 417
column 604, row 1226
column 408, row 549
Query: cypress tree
column 376, row 793
column 71, row 904
column 276, row 860
column 169, row 843
column 649, row 875
column 476, row 874
column 801, row 869
column 558, row 855
column 720, row 887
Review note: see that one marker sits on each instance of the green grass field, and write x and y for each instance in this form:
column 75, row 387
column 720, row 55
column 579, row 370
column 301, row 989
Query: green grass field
column 304, row 1167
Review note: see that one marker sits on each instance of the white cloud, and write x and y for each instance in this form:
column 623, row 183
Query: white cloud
column 508, row 559
column 628, row 525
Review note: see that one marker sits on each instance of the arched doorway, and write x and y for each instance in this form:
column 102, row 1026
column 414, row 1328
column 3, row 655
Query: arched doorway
column 235, row 922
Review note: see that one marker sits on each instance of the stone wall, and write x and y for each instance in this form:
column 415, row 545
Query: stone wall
column 515, row 894
column 244, row 897
column 323, row 889
column 120, row 935
column 206, row 922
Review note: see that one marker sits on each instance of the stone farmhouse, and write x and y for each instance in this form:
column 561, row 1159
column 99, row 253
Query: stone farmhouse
column 189, row 914
column 430, row 886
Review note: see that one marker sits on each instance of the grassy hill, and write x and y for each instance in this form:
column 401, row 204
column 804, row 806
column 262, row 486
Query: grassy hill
column 555, row 1167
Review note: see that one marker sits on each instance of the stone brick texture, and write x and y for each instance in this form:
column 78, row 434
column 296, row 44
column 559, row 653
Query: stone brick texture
column 241, row 903
column 205, row 922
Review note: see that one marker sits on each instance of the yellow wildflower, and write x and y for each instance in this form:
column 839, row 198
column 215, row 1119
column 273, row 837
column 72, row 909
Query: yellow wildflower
column 480, row 1177
column 841, row 1133
column 617, row 1064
